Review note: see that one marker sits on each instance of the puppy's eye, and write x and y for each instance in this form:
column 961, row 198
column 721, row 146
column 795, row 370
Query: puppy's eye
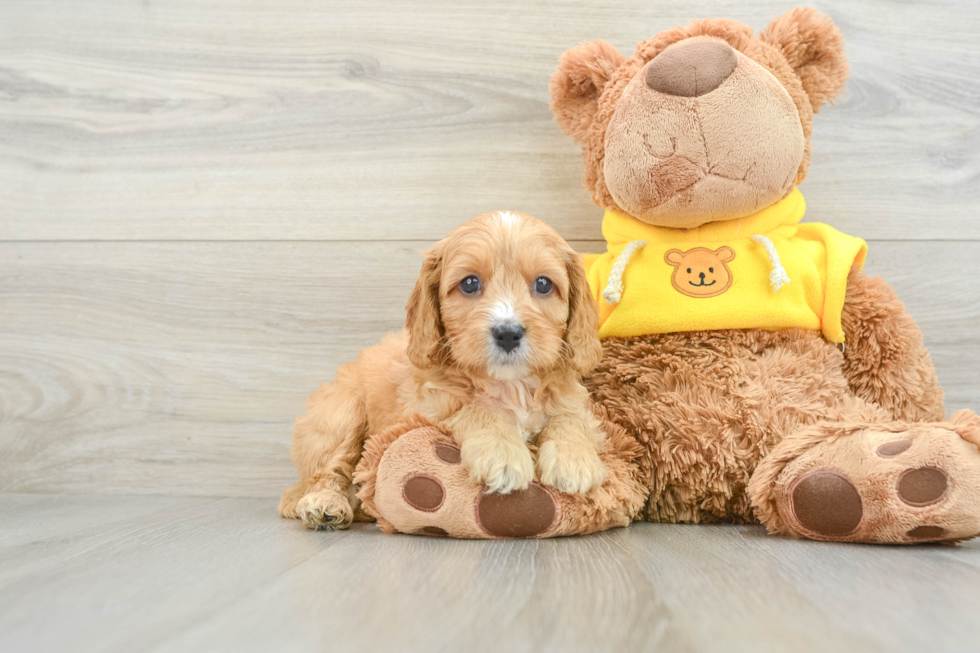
column 711, row 269
column 543, row 285
column 689, row 270
column 470, row 285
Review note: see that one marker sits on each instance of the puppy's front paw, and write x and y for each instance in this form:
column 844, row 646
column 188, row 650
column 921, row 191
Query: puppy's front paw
column 326, row 510
column 570, row 467
column 502, row 465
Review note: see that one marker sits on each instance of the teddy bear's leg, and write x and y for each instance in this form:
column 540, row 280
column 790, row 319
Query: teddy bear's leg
column 884, row 360
column 887, row 482
column 413, row 481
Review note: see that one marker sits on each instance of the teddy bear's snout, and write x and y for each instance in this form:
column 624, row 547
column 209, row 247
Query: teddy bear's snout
column 691, row 68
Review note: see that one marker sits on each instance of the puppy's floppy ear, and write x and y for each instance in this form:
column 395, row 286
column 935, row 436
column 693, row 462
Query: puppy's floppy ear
column 582, row 333
column 814, row 48
column 576, row 86
column 423, row 321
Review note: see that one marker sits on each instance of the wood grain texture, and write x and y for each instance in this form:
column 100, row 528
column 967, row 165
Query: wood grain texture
column 251, row 119
column 91, row 573
column 206, row 206
column 178, row 367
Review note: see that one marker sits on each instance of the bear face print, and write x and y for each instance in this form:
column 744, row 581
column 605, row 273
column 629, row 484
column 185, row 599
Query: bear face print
column 701, row 272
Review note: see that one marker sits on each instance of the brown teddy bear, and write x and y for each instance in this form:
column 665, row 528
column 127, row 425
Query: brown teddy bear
column 751, row 371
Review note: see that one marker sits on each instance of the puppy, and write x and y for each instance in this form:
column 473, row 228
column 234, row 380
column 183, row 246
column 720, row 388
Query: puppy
column 500, row 329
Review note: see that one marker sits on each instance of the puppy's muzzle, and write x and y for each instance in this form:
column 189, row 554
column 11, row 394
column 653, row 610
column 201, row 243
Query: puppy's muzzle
column 508, row 337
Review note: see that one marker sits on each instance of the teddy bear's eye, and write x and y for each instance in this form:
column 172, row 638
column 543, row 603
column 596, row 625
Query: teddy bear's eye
column 689, row 270
column 711, row 269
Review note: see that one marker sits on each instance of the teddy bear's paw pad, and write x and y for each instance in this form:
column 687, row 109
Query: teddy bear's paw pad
column 927, row 533
column 923, row 486
column 447, row 453
column 524, row 513
column 903, row 486
column 893, row 448
column 423, row 488
column 826, row 502
column 424, row 492
column 433, row 531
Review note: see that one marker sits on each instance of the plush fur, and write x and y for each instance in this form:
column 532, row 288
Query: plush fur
column 782, row 427
column 708, row 406
column 852, row 449
column 802, row 51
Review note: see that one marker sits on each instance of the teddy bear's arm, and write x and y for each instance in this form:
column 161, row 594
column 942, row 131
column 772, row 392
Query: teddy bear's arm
column 885, row 361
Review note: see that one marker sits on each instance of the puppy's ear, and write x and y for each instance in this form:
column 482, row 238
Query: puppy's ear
column 576, row 86
column 423, row 321
column 582, row 333
column 814, row 48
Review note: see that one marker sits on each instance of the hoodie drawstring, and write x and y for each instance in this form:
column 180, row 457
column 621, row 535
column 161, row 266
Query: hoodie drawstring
column 613, row 294
column 778, row 277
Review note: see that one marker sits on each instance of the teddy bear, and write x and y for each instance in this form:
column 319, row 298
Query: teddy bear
column 752, row 373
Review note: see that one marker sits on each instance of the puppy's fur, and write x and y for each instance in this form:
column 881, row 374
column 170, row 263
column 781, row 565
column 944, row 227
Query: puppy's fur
column 448, row 366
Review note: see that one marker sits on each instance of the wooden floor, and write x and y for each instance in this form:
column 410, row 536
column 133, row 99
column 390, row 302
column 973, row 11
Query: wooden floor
column 118, row 573
column 206, row 206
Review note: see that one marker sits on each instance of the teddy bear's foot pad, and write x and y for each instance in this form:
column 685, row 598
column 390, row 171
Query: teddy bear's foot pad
column 525, row 513
column 884, row 485
column 423, row 488
column 826, row 502
column 413, row 481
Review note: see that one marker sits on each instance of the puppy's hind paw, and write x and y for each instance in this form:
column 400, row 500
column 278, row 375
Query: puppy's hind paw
column 570, row 467
column 325, row 510
column 503, row 466
column 290, row 499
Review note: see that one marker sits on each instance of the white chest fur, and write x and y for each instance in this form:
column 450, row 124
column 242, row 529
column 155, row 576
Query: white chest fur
column 516, row 399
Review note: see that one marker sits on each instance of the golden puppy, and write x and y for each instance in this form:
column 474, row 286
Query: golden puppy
column 500, row 328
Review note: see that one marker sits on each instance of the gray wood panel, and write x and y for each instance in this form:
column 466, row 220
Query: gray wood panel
column 353, row 134
column 91, row 573
column 179, row 367
column 251, row 119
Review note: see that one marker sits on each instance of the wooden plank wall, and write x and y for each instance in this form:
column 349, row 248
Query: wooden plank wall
column 205, row 207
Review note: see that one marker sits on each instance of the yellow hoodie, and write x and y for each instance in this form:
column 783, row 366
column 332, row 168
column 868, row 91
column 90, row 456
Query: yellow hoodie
column 765, row 271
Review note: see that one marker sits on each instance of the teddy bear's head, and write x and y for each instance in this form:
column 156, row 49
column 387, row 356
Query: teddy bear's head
column 703, row 123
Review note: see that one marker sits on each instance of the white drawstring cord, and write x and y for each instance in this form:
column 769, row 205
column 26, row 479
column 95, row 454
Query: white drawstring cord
column 839, row 340
column 777, row 277
column 613, row 294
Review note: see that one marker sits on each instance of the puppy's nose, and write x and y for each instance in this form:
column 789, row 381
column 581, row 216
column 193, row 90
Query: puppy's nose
column 701, row 274
column 691, row 69
column 508, row 336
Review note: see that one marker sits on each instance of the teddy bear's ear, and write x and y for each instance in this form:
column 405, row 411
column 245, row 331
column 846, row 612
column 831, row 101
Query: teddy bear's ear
column 725, row 254
column 814, row 48
column 577, row 84
column 967, row 424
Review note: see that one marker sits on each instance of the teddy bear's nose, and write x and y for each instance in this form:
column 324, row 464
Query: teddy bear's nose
column 690, row 69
